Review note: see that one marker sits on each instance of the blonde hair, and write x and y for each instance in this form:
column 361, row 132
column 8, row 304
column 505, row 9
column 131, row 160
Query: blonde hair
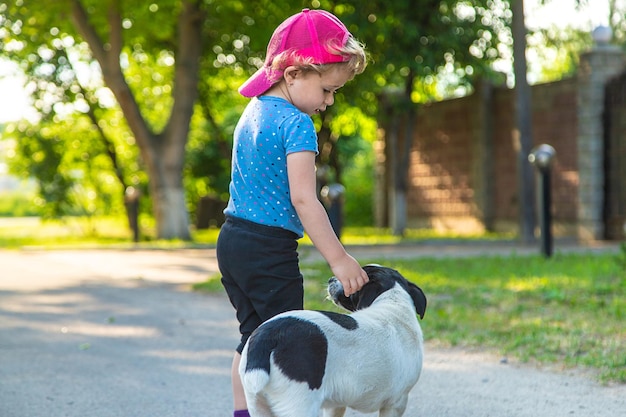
column 353, row 51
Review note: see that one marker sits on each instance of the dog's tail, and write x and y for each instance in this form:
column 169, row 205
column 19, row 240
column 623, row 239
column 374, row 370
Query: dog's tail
column 254, row 369
column 293, row 346
column 254, row 380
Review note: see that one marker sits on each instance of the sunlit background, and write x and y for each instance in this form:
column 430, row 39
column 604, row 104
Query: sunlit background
column 559, row 13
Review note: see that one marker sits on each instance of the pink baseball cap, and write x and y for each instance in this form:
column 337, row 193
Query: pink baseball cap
column 307, row 33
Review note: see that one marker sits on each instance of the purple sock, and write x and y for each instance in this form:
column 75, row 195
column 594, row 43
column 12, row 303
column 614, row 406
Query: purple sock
column 241, row 413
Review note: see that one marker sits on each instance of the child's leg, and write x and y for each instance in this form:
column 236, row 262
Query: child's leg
column 239, row 398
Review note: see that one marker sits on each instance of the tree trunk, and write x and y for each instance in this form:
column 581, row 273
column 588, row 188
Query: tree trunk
column 170, row 210
column 402, row 127
column 163, row 153
column 523, row 131
column 397, row 196
column 397, row 119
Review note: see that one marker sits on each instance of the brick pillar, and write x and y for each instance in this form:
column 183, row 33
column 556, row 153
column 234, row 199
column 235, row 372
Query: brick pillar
column 597, row 66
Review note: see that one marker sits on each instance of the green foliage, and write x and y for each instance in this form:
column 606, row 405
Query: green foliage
column 79, row 150
column 18, row 204
column 208, row 154
column 412, row 48
column 46, row 154
column 359, row 183
column 556, row 52
column 71, row 169
column 355, row 133
column 438, row 41
column 617, row 23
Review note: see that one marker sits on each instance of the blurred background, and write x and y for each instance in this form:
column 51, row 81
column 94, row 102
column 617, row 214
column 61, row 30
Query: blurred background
column 116, row 116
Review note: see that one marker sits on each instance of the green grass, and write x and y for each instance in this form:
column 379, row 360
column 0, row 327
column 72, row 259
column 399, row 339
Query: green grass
column 18, row 232
column 568, row 311
column 33, row 231
column 82, row 232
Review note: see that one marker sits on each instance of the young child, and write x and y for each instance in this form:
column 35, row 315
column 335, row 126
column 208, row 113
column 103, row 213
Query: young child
column 273, row 196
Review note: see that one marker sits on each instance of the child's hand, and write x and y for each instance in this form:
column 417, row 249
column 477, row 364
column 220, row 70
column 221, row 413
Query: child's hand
column 350, row 274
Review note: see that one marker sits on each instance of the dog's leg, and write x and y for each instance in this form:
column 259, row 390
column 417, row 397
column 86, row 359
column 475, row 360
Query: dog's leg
column 396, row 409
column 334, row 412
column 294, row 402
column 258, row 407
column 390, row 412
column 296, row 410
column 292, row 411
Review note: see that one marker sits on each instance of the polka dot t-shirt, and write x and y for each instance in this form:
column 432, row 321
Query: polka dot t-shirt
column 269, row 129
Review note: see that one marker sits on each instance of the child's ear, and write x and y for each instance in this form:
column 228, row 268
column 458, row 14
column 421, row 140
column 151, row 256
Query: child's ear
column 291, row 73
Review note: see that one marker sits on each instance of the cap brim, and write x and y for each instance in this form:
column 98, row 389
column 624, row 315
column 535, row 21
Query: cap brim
column 257, row 84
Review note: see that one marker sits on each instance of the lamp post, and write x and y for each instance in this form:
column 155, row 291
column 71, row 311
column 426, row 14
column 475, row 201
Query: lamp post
column 542, row 157
column 131, row 199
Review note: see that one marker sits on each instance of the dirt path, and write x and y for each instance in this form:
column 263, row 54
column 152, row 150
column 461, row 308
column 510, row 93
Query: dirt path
column 117, row 333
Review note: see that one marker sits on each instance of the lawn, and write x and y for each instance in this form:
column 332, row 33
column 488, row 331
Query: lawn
column 19, row 232
column 566, row 311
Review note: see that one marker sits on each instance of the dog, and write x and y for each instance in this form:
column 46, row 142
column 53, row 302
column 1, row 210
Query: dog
column 300, row 362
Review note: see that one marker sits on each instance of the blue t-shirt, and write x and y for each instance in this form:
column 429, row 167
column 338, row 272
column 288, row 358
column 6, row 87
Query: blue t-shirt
column 269, row 129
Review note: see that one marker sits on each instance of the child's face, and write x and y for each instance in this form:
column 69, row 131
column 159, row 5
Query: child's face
column 313, row 93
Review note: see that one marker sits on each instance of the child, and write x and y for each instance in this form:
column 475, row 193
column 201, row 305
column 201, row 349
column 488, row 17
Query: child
column 273, row 196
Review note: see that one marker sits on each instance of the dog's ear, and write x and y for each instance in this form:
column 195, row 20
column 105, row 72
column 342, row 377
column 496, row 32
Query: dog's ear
column 372, row 289
column 419, row 299
column 367, row 297
column 349, row 303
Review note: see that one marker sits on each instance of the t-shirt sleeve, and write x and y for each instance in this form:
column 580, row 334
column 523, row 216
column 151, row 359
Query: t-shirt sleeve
column 299, row 134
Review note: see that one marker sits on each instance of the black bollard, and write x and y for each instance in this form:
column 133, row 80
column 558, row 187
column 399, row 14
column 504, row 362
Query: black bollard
column 541, row 157
column 546, row 214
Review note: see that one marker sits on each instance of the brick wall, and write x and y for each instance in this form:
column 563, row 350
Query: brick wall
column 446, row 175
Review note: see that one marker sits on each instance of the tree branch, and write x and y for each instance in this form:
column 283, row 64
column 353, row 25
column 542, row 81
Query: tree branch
column 186, row 73
column 108, row 56
column 81, row 21
column 114, row 16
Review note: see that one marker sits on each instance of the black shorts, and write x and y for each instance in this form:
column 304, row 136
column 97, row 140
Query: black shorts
column 260, row 272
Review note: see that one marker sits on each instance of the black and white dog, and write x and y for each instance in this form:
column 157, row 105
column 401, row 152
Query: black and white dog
column 301, row 362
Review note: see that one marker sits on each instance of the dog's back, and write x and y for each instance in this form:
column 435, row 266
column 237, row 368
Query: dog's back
column 297, row 346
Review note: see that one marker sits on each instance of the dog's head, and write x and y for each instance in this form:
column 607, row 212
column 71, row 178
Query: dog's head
column 381, row 279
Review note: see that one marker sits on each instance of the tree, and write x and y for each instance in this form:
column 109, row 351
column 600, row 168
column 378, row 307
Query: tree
column 163, row 152
column 114, row 43
column 157, row 58
column 616, row 18
column 523, row 134
column 148, row 57
column 72, row 154
column 523, row 126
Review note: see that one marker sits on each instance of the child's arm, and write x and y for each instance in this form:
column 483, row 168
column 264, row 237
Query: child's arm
column 301, row 173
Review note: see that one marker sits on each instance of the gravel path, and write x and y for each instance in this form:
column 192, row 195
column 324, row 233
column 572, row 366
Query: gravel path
column 118, row 333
